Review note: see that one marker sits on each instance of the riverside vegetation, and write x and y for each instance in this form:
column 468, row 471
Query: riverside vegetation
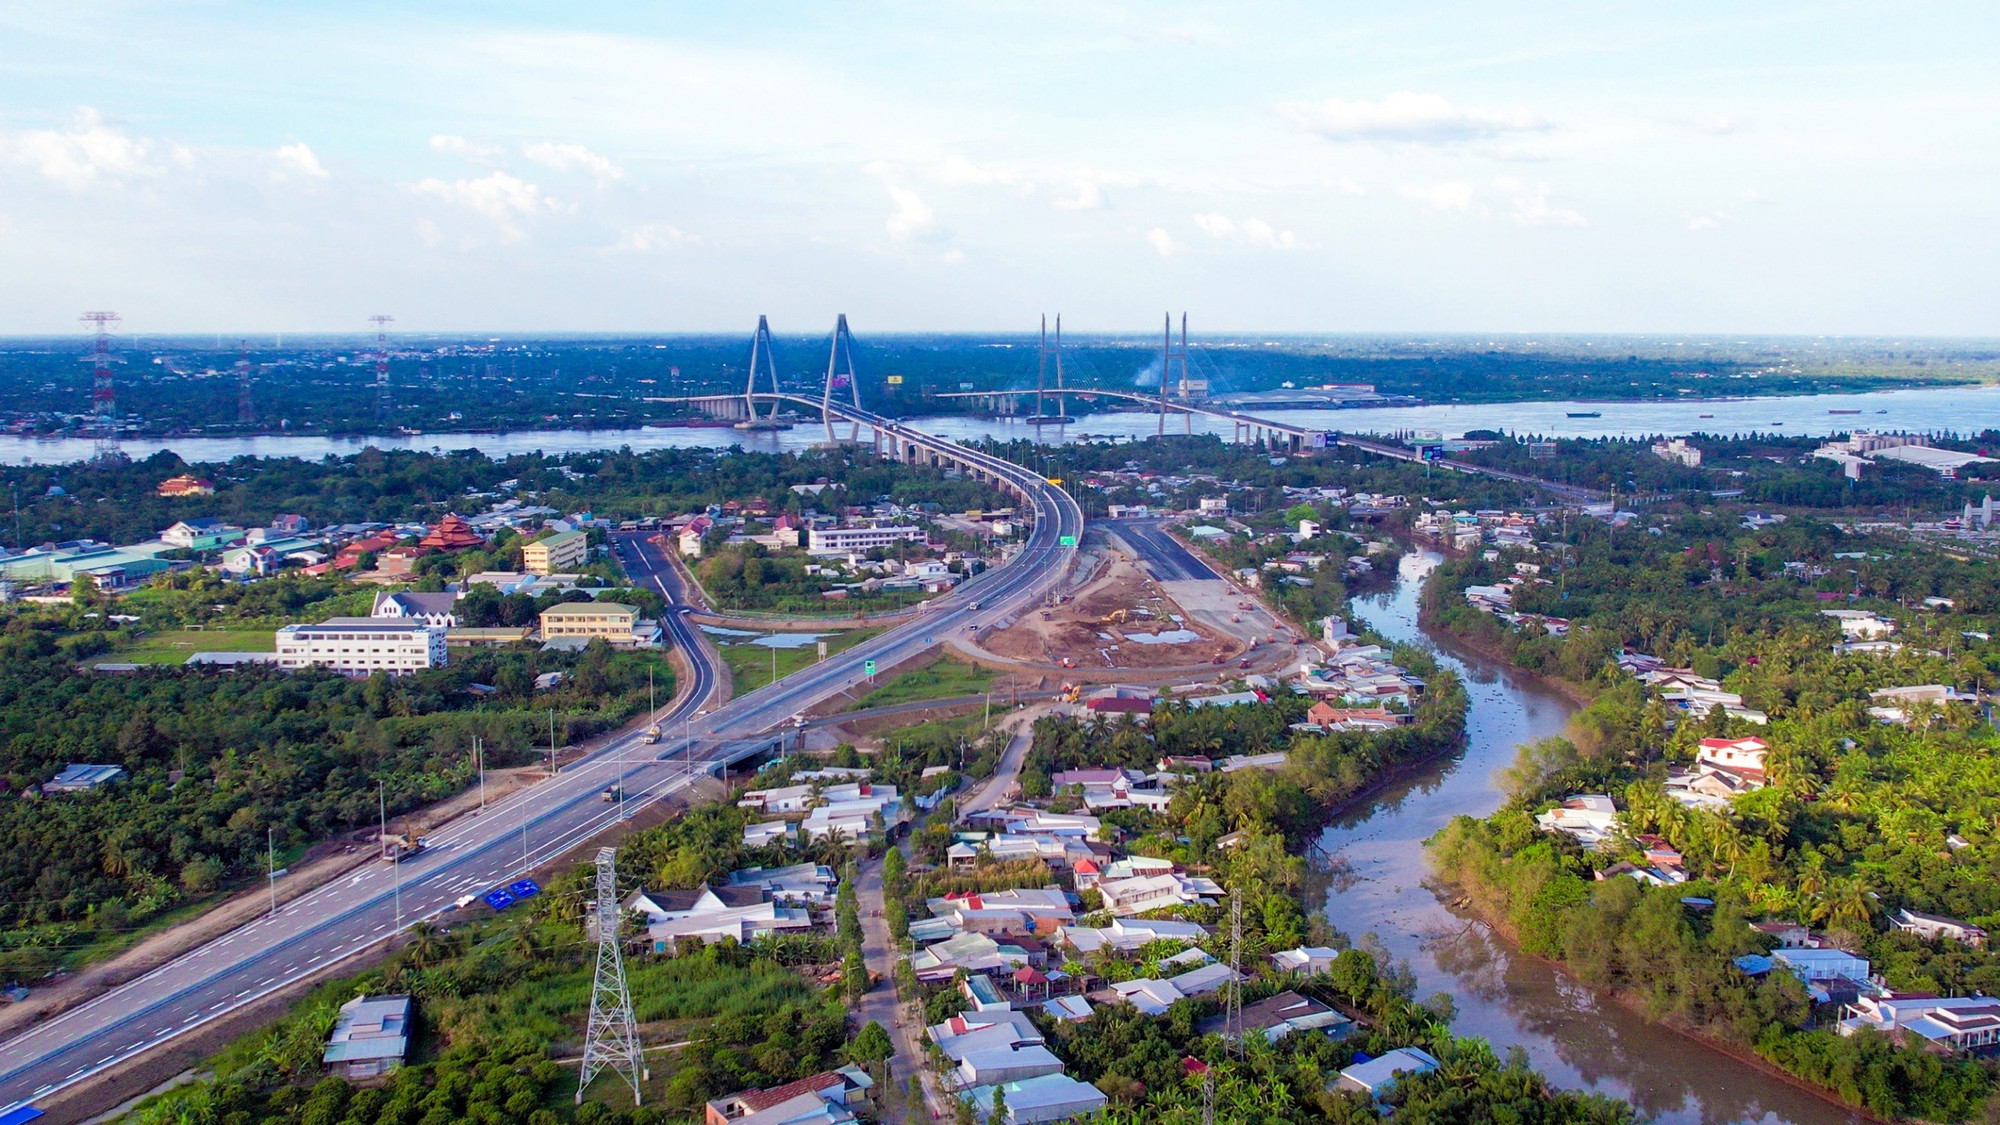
column 1142, row 1062
column 1861, row 816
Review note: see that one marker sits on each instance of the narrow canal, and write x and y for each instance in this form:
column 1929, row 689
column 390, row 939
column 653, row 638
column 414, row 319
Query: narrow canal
column 1570, row 1034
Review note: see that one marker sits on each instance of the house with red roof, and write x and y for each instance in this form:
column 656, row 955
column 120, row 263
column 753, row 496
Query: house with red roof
column 452, row 533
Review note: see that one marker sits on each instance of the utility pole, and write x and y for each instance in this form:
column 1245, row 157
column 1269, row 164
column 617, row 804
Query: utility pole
column 271, row 849
column 612, row 1037
column 552, row 742
column 479, row 763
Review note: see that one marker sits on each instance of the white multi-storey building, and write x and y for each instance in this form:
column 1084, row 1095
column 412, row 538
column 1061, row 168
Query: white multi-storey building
column 359, row 646
column 841, row 540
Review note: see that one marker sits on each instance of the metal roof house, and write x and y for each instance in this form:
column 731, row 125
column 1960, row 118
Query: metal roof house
column 81, row 777
column 370, row 1037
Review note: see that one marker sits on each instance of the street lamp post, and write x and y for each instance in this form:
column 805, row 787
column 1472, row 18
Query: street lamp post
column 395, row 851
column 271, row 846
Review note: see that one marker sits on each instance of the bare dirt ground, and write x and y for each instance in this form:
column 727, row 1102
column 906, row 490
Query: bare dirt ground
column 1098, row 626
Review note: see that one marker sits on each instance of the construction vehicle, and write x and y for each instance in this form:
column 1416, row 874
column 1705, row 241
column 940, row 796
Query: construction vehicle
column 1071, row 693
column 402, row 847
column 1115, row 617
column 1069, row 661
column 652, row 734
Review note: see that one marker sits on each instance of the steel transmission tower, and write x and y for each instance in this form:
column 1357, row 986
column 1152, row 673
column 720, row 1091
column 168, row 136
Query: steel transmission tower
column 245, row 413
column 840, row 373
column 381, row 321
column 761, row 350
column 103, row 398
column 612, row 1038
column 1232, row 1019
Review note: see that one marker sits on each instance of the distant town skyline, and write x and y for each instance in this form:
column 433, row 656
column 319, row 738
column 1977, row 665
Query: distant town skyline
column 1270, row 167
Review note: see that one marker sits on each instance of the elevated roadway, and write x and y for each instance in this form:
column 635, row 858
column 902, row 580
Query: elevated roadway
column 318, row 931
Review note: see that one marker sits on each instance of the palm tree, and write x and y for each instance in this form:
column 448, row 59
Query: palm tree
column 524, row 941
column 426, row 945
column 117, row 862
column 1850, row 903
column 1812, row 877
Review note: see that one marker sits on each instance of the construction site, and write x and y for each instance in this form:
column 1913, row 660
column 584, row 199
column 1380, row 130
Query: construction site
column 1122, row 618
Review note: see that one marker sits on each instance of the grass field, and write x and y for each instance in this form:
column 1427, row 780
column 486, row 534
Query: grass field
column 941, row 679
column 176, row 645
column 750, row 664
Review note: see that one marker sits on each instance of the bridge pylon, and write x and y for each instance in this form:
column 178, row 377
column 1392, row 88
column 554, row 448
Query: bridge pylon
column 840, row 373
column 1170, row 354
column 761, row 352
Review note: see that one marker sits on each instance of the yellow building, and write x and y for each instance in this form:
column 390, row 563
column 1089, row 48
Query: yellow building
column 613, row 621
column 556, row 554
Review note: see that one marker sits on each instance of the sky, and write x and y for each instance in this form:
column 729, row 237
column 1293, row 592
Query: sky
column 1769, row 168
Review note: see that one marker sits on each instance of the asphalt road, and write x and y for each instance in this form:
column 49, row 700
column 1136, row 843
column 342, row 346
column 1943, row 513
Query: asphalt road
column 478, row 853
column 1164, row 559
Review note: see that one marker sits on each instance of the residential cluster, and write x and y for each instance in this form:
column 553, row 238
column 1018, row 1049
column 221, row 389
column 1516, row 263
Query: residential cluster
column 1498, row 600
column 855, row 549
column 1470, row 531
column 752, row 904
column 833, row 803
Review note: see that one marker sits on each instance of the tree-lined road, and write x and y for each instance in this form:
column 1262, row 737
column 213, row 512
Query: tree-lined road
column 315, row 932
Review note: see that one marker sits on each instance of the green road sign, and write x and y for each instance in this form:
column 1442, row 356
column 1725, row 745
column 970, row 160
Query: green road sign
column 1067, row 541
column 868, row 667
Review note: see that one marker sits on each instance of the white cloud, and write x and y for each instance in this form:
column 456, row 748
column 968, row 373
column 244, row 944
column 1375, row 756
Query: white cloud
column 501, row 197
column 1704, row 222
column 957, row 171
column 654, row 236
column 1407, row 118
column 912, row 216
column 573, row 158
column 451, row 145
column 298, row 160
column 1088, row 197
column 1250, row 232
column 87, row 152
column 1450, row 196
column 1160, row 240
column 1533, row 209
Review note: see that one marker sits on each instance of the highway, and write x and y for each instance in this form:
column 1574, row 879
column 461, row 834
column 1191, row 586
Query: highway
column 317, row 931
column 1165, row 559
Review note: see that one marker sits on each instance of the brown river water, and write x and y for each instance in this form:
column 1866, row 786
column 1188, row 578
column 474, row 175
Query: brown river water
column 1573, row 1036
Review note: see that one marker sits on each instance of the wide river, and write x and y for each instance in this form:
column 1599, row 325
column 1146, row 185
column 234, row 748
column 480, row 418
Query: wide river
column 1504, row 997
column 1959, row 410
